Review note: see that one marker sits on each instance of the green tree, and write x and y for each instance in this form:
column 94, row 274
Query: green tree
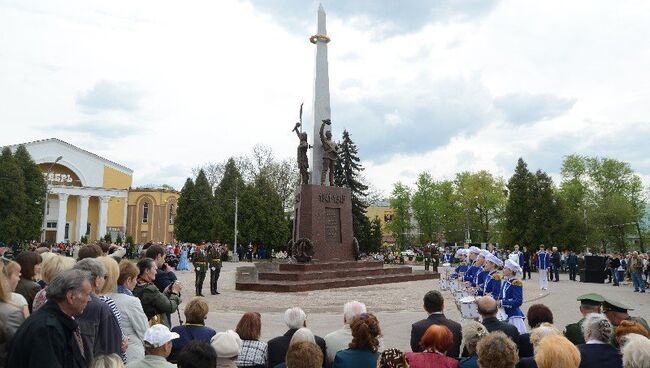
column 224, row 197
column 13, row 200
column 376, row 235
column 32, row 217
column 184, row 213
column 203, row 209
column 400, row 202
column 517, row 209
column 262, row 218
column 545, row 218
column 347, row 174
column 119, row 239
column 107, row 238
column 482, row 198
column 424, row 206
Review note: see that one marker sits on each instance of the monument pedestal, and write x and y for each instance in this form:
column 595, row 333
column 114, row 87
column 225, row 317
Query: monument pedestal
column 324, row 216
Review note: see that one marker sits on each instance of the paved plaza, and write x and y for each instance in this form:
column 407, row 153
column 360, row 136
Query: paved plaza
column 396, row 305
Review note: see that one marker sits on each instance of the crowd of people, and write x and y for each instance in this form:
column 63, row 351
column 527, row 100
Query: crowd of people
column 99, row 309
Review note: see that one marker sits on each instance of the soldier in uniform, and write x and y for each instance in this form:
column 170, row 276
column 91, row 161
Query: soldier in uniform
column 214, row 261
column 427, row 256
column 589, row 303
column 617, row 312
column 200, row 262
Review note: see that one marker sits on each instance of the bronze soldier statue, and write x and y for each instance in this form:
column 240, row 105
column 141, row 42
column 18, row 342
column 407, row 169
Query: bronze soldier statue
column 303, row 162
column 330, row 153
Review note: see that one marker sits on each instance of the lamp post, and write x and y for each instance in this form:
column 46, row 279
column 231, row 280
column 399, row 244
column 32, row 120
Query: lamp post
column 47, row 192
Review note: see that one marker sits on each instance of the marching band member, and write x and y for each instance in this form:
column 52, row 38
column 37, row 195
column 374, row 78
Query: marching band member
column 472, row 270
column 512, row 295
column 492, row 283
column 479, row 277
column 460, row 270
column 447, row 257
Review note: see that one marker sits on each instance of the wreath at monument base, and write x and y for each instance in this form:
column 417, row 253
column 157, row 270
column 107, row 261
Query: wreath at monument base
column 303, row 250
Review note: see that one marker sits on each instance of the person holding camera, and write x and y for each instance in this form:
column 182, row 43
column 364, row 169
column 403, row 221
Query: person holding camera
column 157, row 305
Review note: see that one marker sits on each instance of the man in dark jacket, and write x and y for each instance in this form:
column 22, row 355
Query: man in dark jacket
column 556, row 260
column 50, row 337
column 487, row 308
column 434, row 305
column 295, row 318
column 526, row 265
column 99, row 328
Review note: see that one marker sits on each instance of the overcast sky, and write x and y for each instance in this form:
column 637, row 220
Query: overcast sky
column 439, row 85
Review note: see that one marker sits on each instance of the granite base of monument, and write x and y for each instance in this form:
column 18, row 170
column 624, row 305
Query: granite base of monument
column 324, row 216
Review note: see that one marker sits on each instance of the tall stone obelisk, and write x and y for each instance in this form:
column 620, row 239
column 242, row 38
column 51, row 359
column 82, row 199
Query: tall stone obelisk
column 321, row 95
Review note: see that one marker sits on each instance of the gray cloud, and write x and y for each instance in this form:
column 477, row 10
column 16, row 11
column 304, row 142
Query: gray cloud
column 419, row 122
column 387, row 17
column 107, row 95
column 524, row 108
column 99, row 129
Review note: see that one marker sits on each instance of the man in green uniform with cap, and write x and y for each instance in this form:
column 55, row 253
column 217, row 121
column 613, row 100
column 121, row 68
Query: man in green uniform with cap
column 200, row 262
column 589, row 303
column 214, row 261
column 616, row 312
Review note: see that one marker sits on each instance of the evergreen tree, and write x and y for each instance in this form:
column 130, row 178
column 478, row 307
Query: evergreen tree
column 203, row 209
column 183, row 212
column 347, row 174
column 544, row 221
column 230, row 186
column 12, row 198
column 517, row 208
column 35, row 187
column 262, row 218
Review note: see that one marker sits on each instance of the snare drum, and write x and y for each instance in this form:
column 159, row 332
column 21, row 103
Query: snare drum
column 468, row 307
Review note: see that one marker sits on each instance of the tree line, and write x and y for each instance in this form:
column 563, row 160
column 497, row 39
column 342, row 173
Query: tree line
column 600, row 204
column 22, row 197
column 265, row 189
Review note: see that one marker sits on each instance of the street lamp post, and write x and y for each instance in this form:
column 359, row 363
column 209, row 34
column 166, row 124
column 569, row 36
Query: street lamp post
column 235, row 256
column 47, row 192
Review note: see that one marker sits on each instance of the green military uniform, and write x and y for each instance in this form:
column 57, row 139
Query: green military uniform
column 214, row 260
column 427, row 257
column 573, row 331
column 200, row 262
column 610, row 305
column 155, row 304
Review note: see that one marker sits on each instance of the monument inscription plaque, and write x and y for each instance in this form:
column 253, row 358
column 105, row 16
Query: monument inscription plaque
column 333, row 225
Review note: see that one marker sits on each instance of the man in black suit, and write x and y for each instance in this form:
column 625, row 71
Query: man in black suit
column 295, row 318
column 434, row 305
column 487, row 308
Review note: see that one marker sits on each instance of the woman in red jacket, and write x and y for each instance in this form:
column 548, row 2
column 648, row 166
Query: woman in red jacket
column 435, row 343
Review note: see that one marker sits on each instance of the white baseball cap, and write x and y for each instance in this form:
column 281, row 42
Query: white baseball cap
column 158, row 335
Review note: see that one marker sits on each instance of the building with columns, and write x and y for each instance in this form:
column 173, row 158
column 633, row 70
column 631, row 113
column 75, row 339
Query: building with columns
column 88, row 195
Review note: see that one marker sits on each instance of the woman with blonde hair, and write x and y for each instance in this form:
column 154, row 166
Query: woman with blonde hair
column 107, row 361
column 11, row 316
column 134, row 322
column 536, row 335
column 557, row 352
column 194, row 328
column 496, row 350
column 12, row 274
column 636, row 351
column 473, row 332
column 50, row 267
